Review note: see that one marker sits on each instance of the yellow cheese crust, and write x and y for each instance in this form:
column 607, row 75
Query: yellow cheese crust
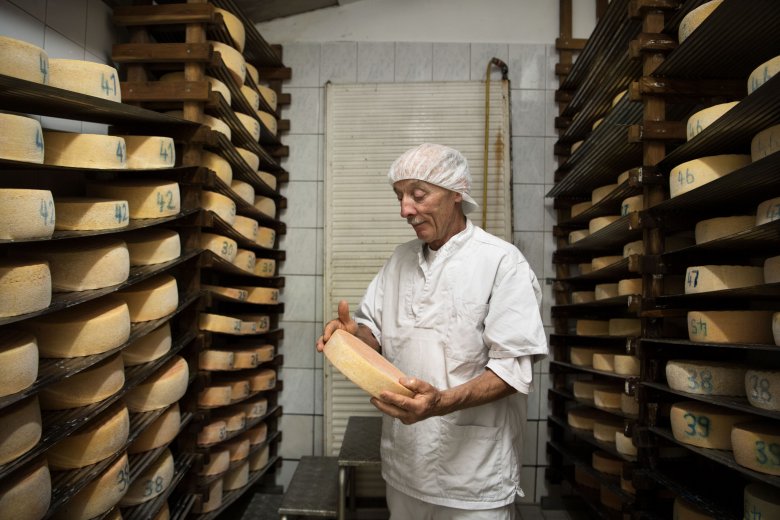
column 18, row 361
column 149, row 347
column 163, row 388
column 25, row 286
column 21, row 429
column 152, row 246
column 28, row 495
column 102, row 437
column 152, row 482
column 84, row 150
column 756, row 446
column 90, row 213
column 94, row 384
column 85, row 77
column 695, row 18
column 100, row 495
column 149, row 152
column 151, row 299
column 23, row 60
column 704, row 118
column 762, row 74
column 703, row 424
column 145, row 198
column 160, row 433
column 26, row 213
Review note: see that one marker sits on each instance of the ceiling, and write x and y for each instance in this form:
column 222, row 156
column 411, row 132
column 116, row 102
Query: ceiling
column 265, row 10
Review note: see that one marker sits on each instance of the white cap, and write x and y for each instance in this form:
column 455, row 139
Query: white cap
column 436, row 164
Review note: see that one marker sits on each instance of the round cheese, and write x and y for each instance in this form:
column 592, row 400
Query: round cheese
column 598, row 194
column 160, row 433
column 237, row 477
column 151, row 299
column 217, row 125
column 269, row 95
column 234, row 27
column 704, row 118
column 95, row 151
column 149, row 152
column 600, row 262
column 730, row 326
column 94, row 384
column 269, row 120
column 266, row 206
column 26, row 213
column 85, row 77
column 254, row 323
column 607, row 398
column 258, row 434
column 163, row 388
column 246, row 358
column 218, row 463
column 703, row 424
column 634, row 248
column 763, row 388
column 221, row 205
column 27, row 496
column 625, row 445
column 21, row 429
column 698, row 172
column 224, row 247
column 583, row 296
column 625, row 327
column 632, row 204
column 152, row 246
column 764, row 143
column 250, row 124
column 580, row 207
column 25, row 286
column 762, row 74
column 604, row 361
column 228, row 293
column 605, row 291
column 629, row 404
column 253, row 408
column 212, row 433
column 146, row 198
column 576, row 236
column 261, row 295
column 218, row 165
column 694, row 19
column 606, row 463
column 704, row 278
column 629, row 286
column 89, row 328
column 265, row 267
column 102, row 437
column 238, row 448
column 252, row 96
column 251, row 158
column 627, row 365
column 592, row 327
column 212, row 359
column 100, row 495
column 214, row 396
column 714, row 228
column 599, row 223
column 90, row 214
column 246, row 227
column 623, row 177
column 239, row 389
column 215, row 84
column 756, row 446
column 259, row 459
column 268, row 178
column 212, row 500
column 219, row 323
column 586, row 479
column 584, row 390
column 244, row 190
column 18, row 361
column 145, row 349
column 152, row 482
column 235, row 420
column 23, row 60
column 265, row 237
column 761, row 501
column 604, row 429
column 233, row 60
column 768, row 211
column 706, row 377
column 772, row 270
column 245, row 259
column 684, row 510
column 265, row 379
column 583, row 356
column 252, row 71
column 618, row 97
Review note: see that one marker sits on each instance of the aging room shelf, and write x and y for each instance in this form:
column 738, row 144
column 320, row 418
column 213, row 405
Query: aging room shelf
column 735, row 403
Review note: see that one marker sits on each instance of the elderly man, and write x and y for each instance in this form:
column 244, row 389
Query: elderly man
column 457, row 310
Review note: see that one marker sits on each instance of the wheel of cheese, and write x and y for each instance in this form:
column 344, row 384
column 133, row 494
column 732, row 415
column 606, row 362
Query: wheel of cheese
column 592, row 327
column 238, row 448
column 634, row 248
column 576, row 236
column 583, row 296
column 704, row 118
column 763, row 388
column 246, row 227
column 586, row 479
column 253, row 408
column 583, row 356
column 243, row 190
column 152, row 482
column 215, row 84
column 26, row 213
column 90, row 213
column 268, row 178
column 607, row 398
column 214, row 396
column 585, row 389
column 598, row 194
column 627, row 365
column 219, row 323
column 764, row 143
column 629, row 404
column 629, row 286
column 234, row 27
column 269, row 120
column 224, row 247
column 703, row 424
column 23, row 60
column 21, row 429
column 28, row 495
column 604, row 429
column 251, row 70
column 597, row 123
column 149, row 152
column 756, row 446
column 730, row 326
column 213, row 359
column 768, row 211
column 85, row 77
column 163, row 388
column 152, row 246
column 245, row 259
column 239, row 389
column 210, row 501
column 265, row 379
column 212, row 433
column 604, row 291
column 25, row 286
column 694, row 19
column 623, row 177
column 604, row 361
column 229, row 293
column 251, row 158
column 218, row 165
column 625, row 327
column 632, row 204
column 698, row 172
column 251, row 95
column 160, row 433
column 254, row 323
column 235, row 420
column 772, row 270
column 706, row 377
column 219, row 204
column 259, row 459
column 269, row 95
column 217, row 125
column 237, row 477
column 762, row 74
column 684, row 510
column 258, row 434
column 265, row 267
column 244, row 359
column 599, row 223
column 606, row 463
column 714, row 228
column 18, row 361
column 266, row 206
column 265, row 237
column 580, row 207
column 233, row 60
column 102, row 437
column 218, row 463
column 146, row 198
column 100, row 495
column 95, row 151
column 250, row 124
column 625, row 445
column 261, row 295
column 92, row 385
column 705, row 278
column 600, row 262
column 149, row 347
column 761, row 501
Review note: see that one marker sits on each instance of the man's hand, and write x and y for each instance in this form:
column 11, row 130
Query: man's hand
column 343, row 322
column 409, row 410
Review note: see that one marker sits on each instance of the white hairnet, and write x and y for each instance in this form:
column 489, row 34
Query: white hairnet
column 436, row 164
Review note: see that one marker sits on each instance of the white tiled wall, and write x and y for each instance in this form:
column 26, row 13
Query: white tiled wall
column 313, row 64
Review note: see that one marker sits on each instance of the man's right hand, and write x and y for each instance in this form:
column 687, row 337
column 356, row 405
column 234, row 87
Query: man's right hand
column 343, row 322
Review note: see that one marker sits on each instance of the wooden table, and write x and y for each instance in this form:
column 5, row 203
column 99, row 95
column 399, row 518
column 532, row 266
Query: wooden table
column 360, row 447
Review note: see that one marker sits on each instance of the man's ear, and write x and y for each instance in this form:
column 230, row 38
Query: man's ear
column 458, row 197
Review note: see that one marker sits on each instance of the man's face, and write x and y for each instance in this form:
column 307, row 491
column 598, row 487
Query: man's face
column 433, row 212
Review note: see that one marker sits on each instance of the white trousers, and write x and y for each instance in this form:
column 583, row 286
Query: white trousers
column 404, row 507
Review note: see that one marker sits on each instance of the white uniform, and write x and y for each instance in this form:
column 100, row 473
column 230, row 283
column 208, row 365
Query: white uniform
column 475, row 306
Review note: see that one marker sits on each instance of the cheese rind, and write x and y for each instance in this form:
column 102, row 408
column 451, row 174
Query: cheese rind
column 625, row 327
column 598, row 194
column 605, row 429
column 233, row 60
column 584, row 389
column 28, row 495
column 261, row 295
column 704, row 118
column 234, row 27
column 625, row 445
column 706, row 377
column 102, row 437
column 592, row 327
column 243, row 190
column 265, row 267
column 604, row 291
column 85, row 77
column 636, row 247
column 146, row 198
column 266, row 206
column 600, row 262
column 269, row 120
column 149, row 152
column 26, row 213
column 583, row 296
column 698, row 172
column 152, row 482
column 218, row 165
column 705, row 278
column 772, row 270
column 715, row 228
column 219, row 204
column 100, row 495
column 152, row 246
column 627, row 365
column 252, row 97
column 214, row 396
column 95, row 151
column 237, row 477
column 160, row 433
column 250, row 124
column 761, row 501
column 268, row 178
column 94, row 384
column 265, row 237
column 251, row 158
column 768, row 211
column 607, row 398
column 217, row 125
column 583, row 356
column 253, row 408
column 695, row 18
column 245, row 260
column 23, row 60
column 18, row 361
column 577, row 235
column 163, row 388
column 21, row 429
column 632, row 204
column 212, row 433
column 597, row 224
column 606, row 463
column 90, row 213
column 730, row 326
column 763, row 388
column 219, row 462
column 218, row 323
column 703, row 424
column 269, row 95
column 764, row 143
column 246, row 227
column 222, row 246
column 211, row 501
column 604, row 361
column 259, row 459
column 580, row 207
column 762, row 74
column 25, row 286
column 151, row 299
column 629, row 286
column 756, row 446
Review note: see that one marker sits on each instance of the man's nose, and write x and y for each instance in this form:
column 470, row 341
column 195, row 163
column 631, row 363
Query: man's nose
column 407, row 207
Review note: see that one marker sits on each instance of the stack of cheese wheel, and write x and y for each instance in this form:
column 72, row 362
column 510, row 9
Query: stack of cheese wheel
column 103, row 437
column 149, row 152
column 215, row 84
column 76, row 150
column 26, row 213
column 21, row 429
column 92, row 385
column 151, row 299
column 152, row 246
column 85, row 77
column 705, row 278
column 214, row 359
column 254, row 407
column 704, row 118
column 585, row 390
column 761, row 501
column 225, row 293
column 756, row 445
column 25, row 286
column 703, row 424
column 706, row 377
column 258, row 434
column 583, row 356
column 763, row 388
column 153, row 482
column 695, row 18
column 235, row 420
column 28, row 495
column 18, row 361
column 212, row 433
column 100, row 495
column 145, row 198
column 164, row 387
column 765, row 143
column 604, row 361
column 23, row 60
column 254, row 323
column 730, row 326
column 698, row 172
column 762, row 74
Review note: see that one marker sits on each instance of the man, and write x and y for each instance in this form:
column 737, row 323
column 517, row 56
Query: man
column 458, row 311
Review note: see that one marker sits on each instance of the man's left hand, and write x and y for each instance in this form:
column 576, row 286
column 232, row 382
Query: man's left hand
column 409, row 410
